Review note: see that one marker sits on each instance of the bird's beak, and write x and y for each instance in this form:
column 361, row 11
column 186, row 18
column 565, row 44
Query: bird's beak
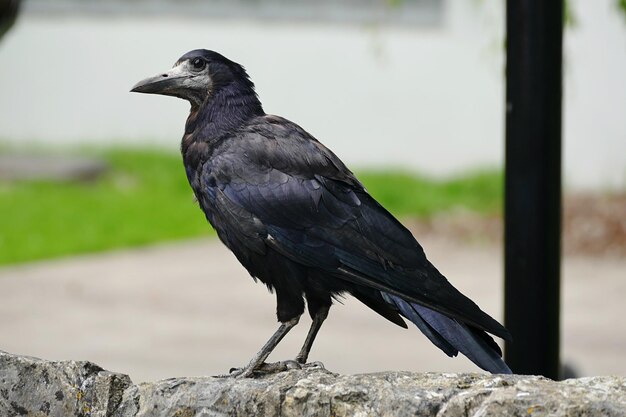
column 167, row 83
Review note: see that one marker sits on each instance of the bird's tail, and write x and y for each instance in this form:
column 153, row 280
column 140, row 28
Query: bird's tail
column 452, row 336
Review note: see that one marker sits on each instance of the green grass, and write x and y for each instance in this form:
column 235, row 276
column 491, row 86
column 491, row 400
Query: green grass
column 145, row 198
column 408, row 194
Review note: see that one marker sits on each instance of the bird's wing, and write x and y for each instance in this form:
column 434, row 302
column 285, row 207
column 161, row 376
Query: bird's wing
column 278, row 187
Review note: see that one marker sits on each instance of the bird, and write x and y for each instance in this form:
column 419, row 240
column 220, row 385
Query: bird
column 300, row 221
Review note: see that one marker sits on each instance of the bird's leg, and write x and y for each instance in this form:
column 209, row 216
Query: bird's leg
column 320, row 316
column 258, row 359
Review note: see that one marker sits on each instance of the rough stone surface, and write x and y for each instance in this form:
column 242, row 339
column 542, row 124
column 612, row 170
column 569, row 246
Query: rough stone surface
column 34, row 387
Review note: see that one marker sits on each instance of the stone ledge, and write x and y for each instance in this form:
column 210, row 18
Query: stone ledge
column 35, row 387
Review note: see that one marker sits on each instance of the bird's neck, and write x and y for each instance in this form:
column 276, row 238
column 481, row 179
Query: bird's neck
column 224, row 112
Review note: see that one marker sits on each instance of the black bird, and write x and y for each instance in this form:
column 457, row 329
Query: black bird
column 300, row 221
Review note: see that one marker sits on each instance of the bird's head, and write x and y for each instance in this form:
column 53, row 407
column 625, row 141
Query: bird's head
column 196, row 76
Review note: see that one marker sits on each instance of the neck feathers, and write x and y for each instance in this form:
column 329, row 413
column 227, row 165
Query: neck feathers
column 230, row 107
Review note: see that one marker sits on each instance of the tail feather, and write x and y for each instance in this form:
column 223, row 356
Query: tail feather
column 452, row 336
column 409, row 312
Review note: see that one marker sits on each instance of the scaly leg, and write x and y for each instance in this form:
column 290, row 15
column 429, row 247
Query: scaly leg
column 258, row 359
column 319, row 318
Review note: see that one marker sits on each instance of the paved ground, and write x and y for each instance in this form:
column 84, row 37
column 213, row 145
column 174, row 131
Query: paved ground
column 190, row 309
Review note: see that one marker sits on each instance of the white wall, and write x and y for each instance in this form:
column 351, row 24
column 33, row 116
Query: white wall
column 427, row 98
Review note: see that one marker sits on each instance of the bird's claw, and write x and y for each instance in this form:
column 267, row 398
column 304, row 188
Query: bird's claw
column 237, row 373
column 232, row 373
column 270, row 368
column 313, row 365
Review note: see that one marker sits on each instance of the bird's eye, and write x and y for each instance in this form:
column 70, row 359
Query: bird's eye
column 198, row 64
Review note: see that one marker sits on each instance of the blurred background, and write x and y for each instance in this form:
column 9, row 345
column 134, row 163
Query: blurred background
column 105, row 256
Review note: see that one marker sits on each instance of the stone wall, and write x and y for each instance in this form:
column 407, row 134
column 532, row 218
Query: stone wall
column 35, row 387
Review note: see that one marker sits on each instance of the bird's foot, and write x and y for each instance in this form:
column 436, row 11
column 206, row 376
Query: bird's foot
column 263, row 369
column 231, row 374
column 313, row 365
column 271, row 368
column 309, row 365
column 237, row 373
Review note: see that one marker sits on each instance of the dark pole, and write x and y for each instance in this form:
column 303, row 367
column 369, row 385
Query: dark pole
column 8, row 13
column 532, row 247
